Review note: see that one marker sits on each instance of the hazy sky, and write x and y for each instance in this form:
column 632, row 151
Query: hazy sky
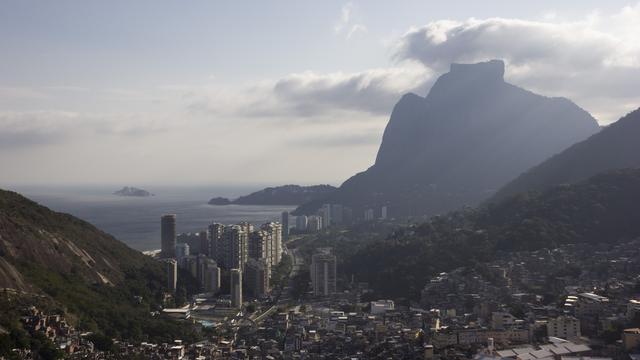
column 211, row 92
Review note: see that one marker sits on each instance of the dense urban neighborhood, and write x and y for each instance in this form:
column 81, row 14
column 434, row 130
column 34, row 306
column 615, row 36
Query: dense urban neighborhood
column 257, row 296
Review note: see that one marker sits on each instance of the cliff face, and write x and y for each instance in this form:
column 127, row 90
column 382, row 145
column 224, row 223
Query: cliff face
column 471, row 135
column 615, row 147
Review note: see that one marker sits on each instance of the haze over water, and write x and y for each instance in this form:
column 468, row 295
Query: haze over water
column 136, row 220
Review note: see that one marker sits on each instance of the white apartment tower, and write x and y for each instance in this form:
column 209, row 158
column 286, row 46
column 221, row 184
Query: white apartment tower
column 236, row 288
column 274, row 230
column 172, row 274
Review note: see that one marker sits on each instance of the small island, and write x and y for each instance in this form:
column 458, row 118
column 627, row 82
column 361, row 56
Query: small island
column 132, row 191
column 279, row 195
column 219, row 201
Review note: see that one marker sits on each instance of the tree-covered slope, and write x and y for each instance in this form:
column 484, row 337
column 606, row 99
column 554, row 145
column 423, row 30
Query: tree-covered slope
column 95, row 279
column 602, row 209
column 280, row 195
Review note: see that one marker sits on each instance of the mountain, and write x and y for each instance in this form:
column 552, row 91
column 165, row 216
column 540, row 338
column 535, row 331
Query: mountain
column 132, row 191
column 104, row 285
column 616, row 147
column 468, row 137
column 598, row 211
column 279, row 195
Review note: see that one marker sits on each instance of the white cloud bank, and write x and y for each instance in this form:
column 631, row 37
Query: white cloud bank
column 310, row 95
column 594, row 61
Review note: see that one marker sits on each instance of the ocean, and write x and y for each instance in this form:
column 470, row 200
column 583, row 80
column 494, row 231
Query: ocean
column 136, row 220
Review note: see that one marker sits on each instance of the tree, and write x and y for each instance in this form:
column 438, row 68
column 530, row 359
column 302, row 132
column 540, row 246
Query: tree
column 101, row 341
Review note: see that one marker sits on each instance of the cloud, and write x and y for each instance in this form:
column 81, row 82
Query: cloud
column 362, row 138
column 346, row 24
column 594, row 61
column 309, row 94
column 355, row 29
column 19, row 129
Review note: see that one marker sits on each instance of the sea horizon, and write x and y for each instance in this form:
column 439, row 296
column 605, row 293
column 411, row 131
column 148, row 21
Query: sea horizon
column 136, row 220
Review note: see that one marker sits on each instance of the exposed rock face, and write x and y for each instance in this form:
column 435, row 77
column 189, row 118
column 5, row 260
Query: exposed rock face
column 471, row 135
column 615, row 147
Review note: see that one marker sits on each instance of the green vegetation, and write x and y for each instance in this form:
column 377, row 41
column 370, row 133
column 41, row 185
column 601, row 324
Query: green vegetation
column 300, row 284
column 600, row 210
column 113, row 311
column 15, row 336
column 285, row 195
column 280, row 273
column 97, row 282
column 344, row 242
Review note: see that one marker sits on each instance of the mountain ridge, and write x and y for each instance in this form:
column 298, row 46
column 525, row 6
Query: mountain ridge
column 278, row 195
column 616, row 146
column 469, row 136
column 596, row 211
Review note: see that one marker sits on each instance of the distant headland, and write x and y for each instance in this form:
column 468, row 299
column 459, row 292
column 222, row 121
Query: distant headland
column 279, row 195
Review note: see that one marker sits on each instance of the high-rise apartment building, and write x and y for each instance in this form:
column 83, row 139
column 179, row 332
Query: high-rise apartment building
column 256, row 277
column 325, row 212
column 301, row 223
column 182, row 250
column 210, row 275
column 323, row 273
column 260, row 243
column 216, row 247
column 274, row 230
column 236, row 288
column 336, row 214
column 168, row 236
column 314, row 223
column 205, row 243
column 285, row 225
column 235, row 250
column 368, row 215
column 246, row 227
column 171, row 266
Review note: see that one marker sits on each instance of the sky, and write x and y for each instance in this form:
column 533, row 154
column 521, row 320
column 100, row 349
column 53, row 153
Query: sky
column 147, row 93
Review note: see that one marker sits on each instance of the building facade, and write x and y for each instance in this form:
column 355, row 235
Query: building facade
column 564, row 327
column 323, row 274
column 172, row 274
column 301, row 223
column 168, row 236
column 285, row 225
column 256, row 277
column 236, row 288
